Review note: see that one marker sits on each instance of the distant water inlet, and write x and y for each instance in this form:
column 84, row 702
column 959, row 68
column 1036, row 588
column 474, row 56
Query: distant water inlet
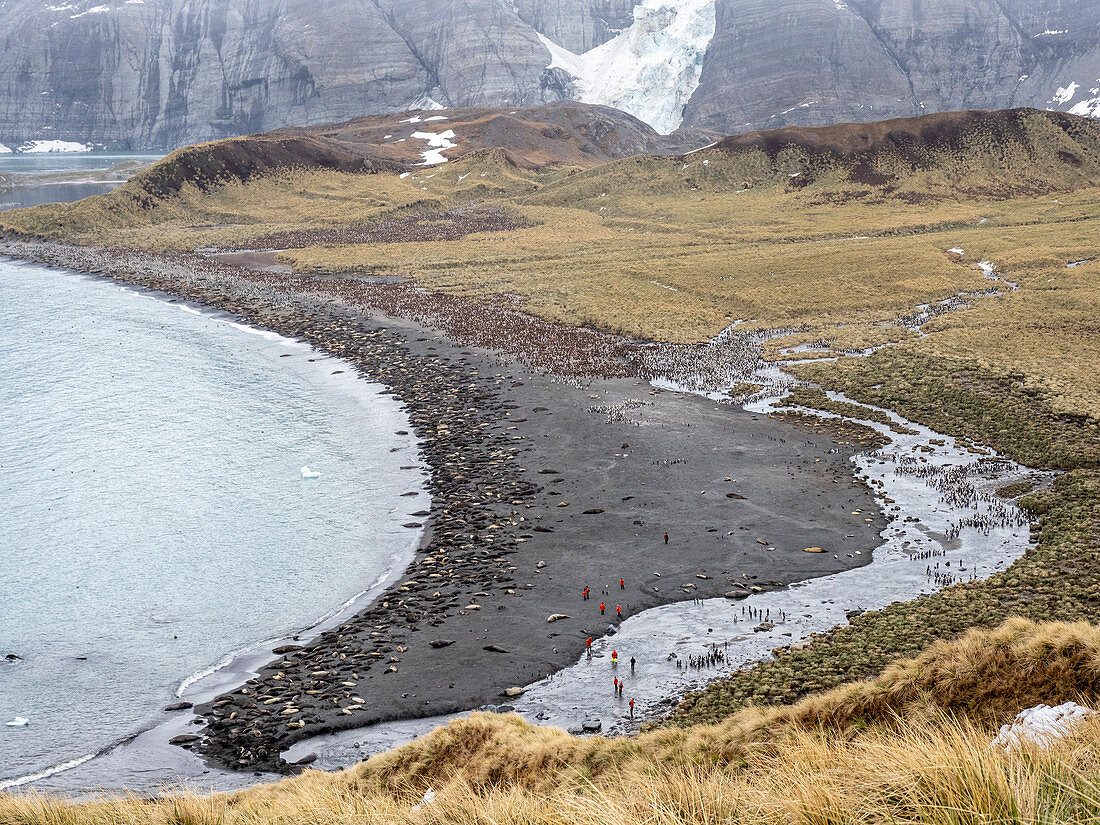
column 38, row 178
column 154, row 513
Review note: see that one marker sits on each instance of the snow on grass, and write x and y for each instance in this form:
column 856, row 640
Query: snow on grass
column 650, row 69
column 40, row 147
column 439, row 142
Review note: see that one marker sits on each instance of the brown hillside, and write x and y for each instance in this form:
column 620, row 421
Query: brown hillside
column 559, row 134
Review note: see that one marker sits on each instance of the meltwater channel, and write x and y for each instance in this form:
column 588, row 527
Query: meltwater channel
column 153, row 515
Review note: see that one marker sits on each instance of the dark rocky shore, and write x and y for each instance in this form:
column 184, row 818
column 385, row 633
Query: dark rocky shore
column 554, row 466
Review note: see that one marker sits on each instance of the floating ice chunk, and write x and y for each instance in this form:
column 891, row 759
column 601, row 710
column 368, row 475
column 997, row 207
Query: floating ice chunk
column 308, row 473
column 1041, row 725
column 4, row 150
column 956, row 250
column 18, row 722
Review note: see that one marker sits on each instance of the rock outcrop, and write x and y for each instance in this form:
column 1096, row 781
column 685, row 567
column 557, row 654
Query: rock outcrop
column 163, row 73
column 779, row 63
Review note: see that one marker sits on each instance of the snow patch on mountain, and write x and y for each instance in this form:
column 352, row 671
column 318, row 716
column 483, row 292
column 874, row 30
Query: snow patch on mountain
column 651, row 68
column 425, row 102
column 41, row 147
column 1089, row 107
column 439, row 143
column 1064, row 94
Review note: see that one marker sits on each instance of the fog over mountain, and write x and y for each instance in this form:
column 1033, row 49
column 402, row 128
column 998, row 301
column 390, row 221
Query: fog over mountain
column 161, row 73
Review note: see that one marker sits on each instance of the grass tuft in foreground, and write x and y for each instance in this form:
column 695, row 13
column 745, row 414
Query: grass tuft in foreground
column 910, row 746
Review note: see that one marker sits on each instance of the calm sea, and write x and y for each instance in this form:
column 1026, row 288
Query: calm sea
column 38, row 192
column 153, row 514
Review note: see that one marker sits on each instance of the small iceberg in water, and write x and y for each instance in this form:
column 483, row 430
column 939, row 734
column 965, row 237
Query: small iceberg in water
column 308, row 473
column 18, row 722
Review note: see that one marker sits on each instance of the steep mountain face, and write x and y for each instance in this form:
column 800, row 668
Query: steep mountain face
column 169, row 72
column 808, row 62
column 161, row 73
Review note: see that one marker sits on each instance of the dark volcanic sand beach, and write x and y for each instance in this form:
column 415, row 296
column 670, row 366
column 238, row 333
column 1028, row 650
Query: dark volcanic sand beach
column 520, row 462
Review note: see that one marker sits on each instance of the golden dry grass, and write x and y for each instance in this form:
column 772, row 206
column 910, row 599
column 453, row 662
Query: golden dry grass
column 910, row 746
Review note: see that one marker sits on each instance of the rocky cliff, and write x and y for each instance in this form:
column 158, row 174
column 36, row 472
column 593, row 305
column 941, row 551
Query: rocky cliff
column 161, row 73
column 777, row 63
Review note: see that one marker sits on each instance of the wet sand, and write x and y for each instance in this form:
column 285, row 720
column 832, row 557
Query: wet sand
column 539, row 488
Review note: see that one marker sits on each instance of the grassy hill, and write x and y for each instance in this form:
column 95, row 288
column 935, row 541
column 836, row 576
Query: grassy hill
column 834, row 234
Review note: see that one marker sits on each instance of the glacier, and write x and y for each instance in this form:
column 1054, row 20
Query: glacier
column 651, row 68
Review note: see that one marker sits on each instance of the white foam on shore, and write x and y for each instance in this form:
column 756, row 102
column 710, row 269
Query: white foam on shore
column 47, row 772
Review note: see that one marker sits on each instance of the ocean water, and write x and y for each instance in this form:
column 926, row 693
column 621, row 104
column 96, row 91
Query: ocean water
column 153, row 515
column 49, row 162
column 37, row 193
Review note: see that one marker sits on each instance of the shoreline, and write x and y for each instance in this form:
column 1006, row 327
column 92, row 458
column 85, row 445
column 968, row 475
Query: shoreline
column 232, row 668
column 471, row 445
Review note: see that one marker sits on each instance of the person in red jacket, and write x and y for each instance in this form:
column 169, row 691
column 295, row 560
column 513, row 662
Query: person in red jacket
column 622, row 584
column 602, row 608
column 666, row 538
column 631, row 708
column 619, row 610
column 588, row 647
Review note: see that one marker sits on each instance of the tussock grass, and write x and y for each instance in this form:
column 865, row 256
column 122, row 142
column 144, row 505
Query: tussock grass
column 910, row 746
column 675, row 250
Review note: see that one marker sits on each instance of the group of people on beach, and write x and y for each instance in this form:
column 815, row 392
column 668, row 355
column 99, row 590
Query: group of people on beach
column 617, row 685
